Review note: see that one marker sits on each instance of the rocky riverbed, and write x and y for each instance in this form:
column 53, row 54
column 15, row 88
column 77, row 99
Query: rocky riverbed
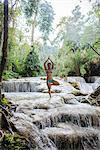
column 67, row 121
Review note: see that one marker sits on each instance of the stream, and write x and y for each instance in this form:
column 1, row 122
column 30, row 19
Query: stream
column 64, row 122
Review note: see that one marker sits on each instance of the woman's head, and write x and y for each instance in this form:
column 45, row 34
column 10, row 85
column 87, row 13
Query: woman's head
column 49, row 65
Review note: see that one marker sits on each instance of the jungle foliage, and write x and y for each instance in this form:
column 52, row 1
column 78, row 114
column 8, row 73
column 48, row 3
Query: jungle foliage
column 74, row 48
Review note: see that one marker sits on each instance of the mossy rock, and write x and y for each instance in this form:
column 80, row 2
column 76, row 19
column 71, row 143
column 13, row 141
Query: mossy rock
column 42, row 106
column 4, row 101
column 43, row 78
column 91, row 101
column 75, row 85
column 78, row 93
column 12, row 142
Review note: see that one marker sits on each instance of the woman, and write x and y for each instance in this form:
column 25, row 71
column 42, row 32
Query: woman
column 49, row 66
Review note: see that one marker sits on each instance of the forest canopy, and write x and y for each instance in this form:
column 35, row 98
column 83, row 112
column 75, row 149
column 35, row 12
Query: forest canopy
column 73, row 44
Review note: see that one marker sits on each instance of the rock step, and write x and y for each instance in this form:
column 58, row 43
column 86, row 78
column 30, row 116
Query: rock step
column 45, row 112
column 34, row 85
column 38, row 84
column 71, row 137
column 51, row 118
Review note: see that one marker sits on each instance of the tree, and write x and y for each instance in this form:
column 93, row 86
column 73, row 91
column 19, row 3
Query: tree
column 5, row 42
column 1, row 25
column 14, row 12
column 39, row 13
column 30, row 9
column 32, row 64
column 45, row 20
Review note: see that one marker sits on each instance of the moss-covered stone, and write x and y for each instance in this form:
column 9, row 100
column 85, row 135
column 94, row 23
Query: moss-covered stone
column 4, row 101
column 78, row 93
column 75, row 85
column 12, row 142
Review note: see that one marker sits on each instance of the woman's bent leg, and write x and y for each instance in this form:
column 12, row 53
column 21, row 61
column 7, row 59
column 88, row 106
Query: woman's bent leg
column 55, row 82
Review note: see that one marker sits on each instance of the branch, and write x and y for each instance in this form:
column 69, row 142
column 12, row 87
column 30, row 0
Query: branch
column 6, row 123
column 93, row 49
column 5, row 110
column 1, row 134
column 14, row 4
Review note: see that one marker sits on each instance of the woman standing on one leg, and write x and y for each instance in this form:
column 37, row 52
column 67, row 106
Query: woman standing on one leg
column 49, row 66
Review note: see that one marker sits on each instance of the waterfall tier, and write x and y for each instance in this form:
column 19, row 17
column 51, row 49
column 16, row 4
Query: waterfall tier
column 59, row 123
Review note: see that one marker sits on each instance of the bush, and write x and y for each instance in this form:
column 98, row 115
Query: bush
column 32, row 64
column 9, row 75
column 77, row 61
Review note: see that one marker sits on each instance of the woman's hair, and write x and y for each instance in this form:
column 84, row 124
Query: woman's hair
column 49, row 63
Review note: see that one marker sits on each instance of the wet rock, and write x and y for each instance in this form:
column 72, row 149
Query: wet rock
column 95, row 85
column 73, row 101
column 55, row 90
column 75, row 79
column 75, row 85
column 94, row 97
column 97, row 80
column 40, row 105
column 70, row 137
column 67, row 97
column 93, row 79
column 37, row 140
column 34, row 85
column 85, row 88
column 22, row 85
column 78, row 93
column 95, row 93
column 63, row 88
column 22, row 116
column 65, row 118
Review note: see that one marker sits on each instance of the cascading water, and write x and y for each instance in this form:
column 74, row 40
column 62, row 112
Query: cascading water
column 74, row 126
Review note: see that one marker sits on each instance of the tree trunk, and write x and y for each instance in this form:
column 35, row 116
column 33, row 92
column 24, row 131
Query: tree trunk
column 77, row 67
column 33, row 29
column 78, row 70
column 5, row 41
column 1, row 42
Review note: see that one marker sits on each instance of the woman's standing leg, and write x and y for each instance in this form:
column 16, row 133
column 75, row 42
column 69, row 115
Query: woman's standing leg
column 49, row 89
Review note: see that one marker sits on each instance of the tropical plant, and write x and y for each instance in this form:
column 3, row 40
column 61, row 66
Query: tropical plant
column 32, row 64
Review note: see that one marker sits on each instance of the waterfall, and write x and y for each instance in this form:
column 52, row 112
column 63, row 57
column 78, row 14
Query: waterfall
column 53, row 124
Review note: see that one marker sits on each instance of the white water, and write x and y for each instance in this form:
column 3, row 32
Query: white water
column 73, row 126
